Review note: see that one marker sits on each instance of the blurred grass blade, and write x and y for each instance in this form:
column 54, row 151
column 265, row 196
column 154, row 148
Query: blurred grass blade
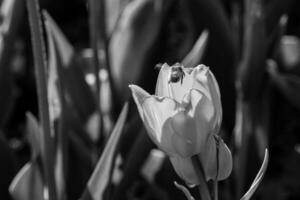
column 94, row 41
column 251, row 69
column 102, row 173
column 11, row 13
column 137, row 155
column 195, row 56
column 27, row 184
column 34, row 135
column 113, row 12
column 63, row 47
column 276, row 38
column 71, row 76
column 130, row 44
column 40, row 72
column 54, row 86
column 288, row 84
column 258, row 177
column 56, row 100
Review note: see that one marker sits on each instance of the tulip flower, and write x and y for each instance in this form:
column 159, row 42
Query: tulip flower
column 183, row 118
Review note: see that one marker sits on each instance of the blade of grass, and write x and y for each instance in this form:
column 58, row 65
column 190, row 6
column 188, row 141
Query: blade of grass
column 258, row 177
column 98, row 39
column 195, row 56
column 33, row 135
column 56, row 95
column 102, row 173
column 28, row 183
column 94, row 41
column 40, row 72
column 250, row 77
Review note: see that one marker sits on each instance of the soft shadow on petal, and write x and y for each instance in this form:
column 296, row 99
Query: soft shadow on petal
column 216, row 98
column 206, row 82
column 225, row 161
column 208, row 158
column 185, row 134
column 185, row 170
column 187, row 140
column 200, row 83
column 139, row 96
column 203, row 117
column 157, row 111
column 162, row 85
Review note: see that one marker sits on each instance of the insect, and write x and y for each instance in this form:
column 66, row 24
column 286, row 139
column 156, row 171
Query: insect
column 176, row 74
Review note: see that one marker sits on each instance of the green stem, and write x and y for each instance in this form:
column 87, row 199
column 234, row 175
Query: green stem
column 94, row 33
column 203, row 189
column 215, row 184
column 40, row 72
column 216, row 190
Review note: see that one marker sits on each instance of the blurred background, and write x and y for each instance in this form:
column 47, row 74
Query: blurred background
column 251, row 46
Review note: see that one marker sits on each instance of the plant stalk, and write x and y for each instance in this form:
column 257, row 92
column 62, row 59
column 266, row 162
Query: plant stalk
column 40, row 73
column 203, row 188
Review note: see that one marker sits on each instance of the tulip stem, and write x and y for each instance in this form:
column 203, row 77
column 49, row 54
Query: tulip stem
column 203, row 189
column 215, row 183
column 215, row 190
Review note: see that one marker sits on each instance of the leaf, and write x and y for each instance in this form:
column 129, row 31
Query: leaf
column 130, row 44
column 34, row 135
column 251, row 68
column 27, row 184
column 114, row 9
column 195, row 56
column 288, row 84
column 136, row 157
column 56, row 61
column 64, row 49
column 185, row 191
column 101, row 175
column 71, row 76
column 258, row 177
column 39, row 55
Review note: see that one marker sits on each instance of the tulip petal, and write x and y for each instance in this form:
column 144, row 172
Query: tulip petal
column 191, row 131
column 216, row 98
column 157, row 116
column 209, row 161
column 225, row 161
column 139, row 96
column 206, row 82
column 155, row 111
column 199, row 74
column 185, row 170
column 162, row 84
column 204, row 113
column 165, row 88
column 184, row 139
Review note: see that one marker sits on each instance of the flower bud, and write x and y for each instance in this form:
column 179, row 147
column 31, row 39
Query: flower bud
column 183, row 118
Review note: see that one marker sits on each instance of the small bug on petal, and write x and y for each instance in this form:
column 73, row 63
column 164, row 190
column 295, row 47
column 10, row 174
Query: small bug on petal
column 176, row 74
